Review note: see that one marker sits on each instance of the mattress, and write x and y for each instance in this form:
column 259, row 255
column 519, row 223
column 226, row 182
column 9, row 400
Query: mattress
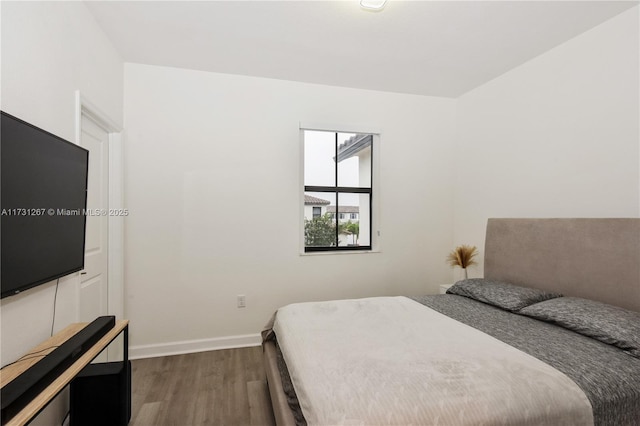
column 606, row 376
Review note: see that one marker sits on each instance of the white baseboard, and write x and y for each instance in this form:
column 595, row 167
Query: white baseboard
column 192, row 346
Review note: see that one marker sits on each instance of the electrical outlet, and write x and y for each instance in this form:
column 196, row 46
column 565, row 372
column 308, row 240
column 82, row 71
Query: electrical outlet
column 242, row 302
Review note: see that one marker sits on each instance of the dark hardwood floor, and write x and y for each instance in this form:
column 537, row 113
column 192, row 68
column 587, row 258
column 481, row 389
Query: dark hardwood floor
column 225, row 387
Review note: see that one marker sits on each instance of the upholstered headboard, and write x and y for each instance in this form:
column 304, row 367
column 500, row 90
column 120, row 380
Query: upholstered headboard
column 597, row 259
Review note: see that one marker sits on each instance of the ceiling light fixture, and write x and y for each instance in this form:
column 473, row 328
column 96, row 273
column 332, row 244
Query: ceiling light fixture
column 372, row 4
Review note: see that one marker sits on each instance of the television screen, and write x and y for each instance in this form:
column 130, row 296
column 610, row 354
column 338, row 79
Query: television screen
column 43, row 200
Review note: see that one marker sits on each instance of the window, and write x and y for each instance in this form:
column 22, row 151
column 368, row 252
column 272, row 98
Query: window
column 338, row 176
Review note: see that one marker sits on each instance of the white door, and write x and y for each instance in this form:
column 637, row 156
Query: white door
column 94, row 284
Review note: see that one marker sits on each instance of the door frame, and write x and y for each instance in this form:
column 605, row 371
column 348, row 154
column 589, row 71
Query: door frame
column 115, row 253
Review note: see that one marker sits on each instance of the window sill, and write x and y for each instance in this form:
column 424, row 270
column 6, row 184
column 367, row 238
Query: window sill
column 339, row 252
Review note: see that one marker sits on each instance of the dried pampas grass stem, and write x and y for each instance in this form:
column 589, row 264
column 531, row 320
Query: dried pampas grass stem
column 463, row 256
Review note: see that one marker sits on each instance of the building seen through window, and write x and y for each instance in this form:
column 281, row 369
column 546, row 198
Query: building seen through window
column 337, row 191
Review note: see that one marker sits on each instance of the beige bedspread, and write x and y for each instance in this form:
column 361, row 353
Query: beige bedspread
column 393, row 361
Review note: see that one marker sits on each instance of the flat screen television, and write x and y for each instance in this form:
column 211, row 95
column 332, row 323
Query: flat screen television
column 43, row 199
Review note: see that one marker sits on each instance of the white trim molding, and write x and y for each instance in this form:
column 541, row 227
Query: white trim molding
column 193, row 346
column 340, row 127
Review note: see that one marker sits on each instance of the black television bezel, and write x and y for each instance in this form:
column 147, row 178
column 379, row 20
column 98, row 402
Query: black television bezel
column 15, row 291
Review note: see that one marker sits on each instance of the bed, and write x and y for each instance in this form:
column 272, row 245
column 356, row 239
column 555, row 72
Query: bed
column 550, row 335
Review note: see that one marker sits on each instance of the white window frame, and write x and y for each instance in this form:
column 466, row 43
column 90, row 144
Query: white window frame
column 376, row 194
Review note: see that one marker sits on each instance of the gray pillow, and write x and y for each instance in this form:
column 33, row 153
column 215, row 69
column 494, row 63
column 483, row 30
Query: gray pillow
column 609, row 324
column 503, row 295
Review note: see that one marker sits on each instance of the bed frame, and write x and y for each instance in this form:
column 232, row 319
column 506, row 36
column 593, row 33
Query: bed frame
column 596, row 259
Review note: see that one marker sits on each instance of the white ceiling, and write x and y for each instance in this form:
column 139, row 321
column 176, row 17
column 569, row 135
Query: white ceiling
column 438, row 48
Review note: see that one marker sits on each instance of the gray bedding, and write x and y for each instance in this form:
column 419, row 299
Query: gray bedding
column 609, row 377
column 287, row 386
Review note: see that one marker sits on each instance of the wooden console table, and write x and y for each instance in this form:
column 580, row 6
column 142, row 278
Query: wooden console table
column 12, row 371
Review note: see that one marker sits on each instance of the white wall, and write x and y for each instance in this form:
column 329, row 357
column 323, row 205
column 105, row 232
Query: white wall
column 206, row 152
column 555, row 137
column 50, row 50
